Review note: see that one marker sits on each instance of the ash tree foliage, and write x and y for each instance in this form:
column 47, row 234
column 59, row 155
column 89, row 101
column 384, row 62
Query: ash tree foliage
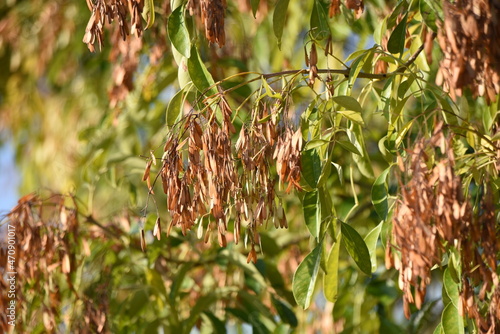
column 267, row 166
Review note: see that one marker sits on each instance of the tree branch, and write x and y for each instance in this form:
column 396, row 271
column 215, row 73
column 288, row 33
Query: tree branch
column 347, row 71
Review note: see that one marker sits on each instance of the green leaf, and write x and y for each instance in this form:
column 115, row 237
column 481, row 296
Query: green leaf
column 316, row 143
column 279, row 17
column 138, row 300
column 269, row 91
column 174, row 108
column 439, row 329
column 454, row 267
column 179, row 277
column 402, row 133
column 178, row 33
column 218, row 326
column 312, row 213
column 202, row 79
column 325, row 171
column 319, row 22
column 371, row 243
column 353, row 116
column 396, row 42
column 348, row 146
column 311, row 167
column 362, row 161
column 380, row 195
column 182, row 72
column 331, row 279
column 358, row 64
column 255, row 6
column 356, row 248
column 340, row 172
column 148, row 13
column 348, row 102
column 203, row 303
column 451, row 321
column 451, row 288
column 399, row 106
column 405, row 85
column 304, row 279
column 285, row 311
column 327, row 210
column 428, row 14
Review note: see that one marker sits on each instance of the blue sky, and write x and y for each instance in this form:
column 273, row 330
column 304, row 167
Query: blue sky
column 9, row 179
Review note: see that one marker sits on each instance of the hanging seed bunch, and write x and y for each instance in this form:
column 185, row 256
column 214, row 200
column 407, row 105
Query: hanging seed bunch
column 103, row 11
column 206, row 174
column 481, row 285
column 356, row 5
column 125, row 59
column 433, row 216
column 469, row 40
column 212, row 15
column 287, row 155
column 414, row 230
column 45, row 232
column 256, row 204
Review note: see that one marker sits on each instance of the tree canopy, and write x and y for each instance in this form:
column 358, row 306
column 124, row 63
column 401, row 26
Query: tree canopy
column 275, row 166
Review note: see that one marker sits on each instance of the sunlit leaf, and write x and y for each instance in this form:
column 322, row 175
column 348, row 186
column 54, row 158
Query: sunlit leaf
column 353, row 116
column 304, row 279
column 279, row 17
column 312, row 212
column 358, row 64
column 451, row 288
column 178, row 33
column 363, row 162
column 148, row 13
column 451, row 321
column 174, row 108
column 269, row 91
column 348, row 102
column 402, row 133
column 331, row 279
column 371, row 243
column 380, row 195
column 319, row 22
column 202, row 79
column 348, row 146
column 340, row 172
column 356, row 248
column 315, row 143
column 439, row 329
column 311, row 167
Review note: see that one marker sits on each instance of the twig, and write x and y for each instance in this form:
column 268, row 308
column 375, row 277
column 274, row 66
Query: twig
column 347, row 72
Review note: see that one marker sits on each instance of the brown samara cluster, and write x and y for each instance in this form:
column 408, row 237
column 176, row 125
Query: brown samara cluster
column 206, row 174
column 433, row 216
column 47, row 240
column 469, row 40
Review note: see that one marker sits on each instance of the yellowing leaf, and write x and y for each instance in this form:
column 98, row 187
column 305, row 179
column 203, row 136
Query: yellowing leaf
column 353, row 116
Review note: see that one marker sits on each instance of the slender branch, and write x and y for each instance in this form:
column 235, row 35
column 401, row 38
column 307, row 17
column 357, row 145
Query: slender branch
column 347, row 72
column 411, row 60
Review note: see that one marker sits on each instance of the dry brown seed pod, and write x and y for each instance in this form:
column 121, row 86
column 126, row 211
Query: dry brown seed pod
column 252, row 255
column 143, row 241
column 334, row 8
column 157, row 229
